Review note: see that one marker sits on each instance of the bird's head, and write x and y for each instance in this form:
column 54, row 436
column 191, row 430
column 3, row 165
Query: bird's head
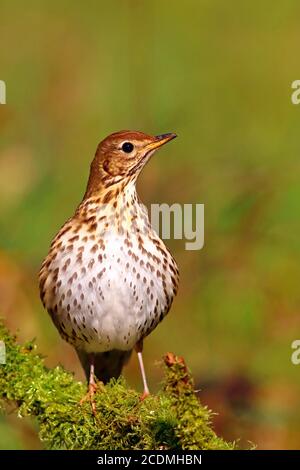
column 121, row 156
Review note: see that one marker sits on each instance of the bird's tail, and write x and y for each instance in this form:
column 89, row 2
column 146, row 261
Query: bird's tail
column 107, row 364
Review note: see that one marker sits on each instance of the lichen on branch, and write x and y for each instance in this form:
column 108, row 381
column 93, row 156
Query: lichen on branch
column 172, row 419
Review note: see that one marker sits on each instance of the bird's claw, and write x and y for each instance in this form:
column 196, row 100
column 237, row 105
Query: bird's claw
column 144, row 395
column 90, row 396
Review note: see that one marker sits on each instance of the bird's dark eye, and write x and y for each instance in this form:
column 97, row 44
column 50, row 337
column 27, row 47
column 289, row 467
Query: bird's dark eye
column 127, row 147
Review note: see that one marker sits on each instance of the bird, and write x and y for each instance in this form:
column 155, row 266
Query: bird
column 108, row 279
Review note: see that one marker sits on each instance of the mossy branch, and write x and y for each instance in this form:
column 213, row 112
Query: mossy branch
column 172, row 419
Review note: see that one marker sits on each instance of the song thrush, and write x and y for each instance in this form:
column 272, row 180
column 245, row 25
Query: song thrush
column 108, row 279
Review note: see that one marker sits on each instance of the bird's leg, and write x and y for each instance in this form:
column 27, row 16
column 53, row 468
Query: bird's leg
column 139, row 349
column 92, row 385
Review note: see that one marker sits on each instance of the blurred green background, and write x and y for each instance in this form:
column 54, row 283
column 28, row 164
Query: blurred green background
column 218, row 74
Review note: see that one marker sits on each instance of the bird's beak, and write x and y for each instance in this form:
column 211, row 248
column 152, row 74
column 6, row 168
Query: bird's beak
column 159, row 141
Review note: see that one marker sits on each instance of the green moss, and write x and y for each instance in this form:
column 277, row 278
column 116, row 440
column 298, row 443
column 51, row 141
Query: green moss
column 172, row 419
column 193, row 429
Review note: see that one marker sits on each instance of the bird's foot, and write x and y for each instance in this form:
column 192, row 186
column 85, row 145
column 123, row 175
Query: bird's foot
column 90, row 396
column 144, row 395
